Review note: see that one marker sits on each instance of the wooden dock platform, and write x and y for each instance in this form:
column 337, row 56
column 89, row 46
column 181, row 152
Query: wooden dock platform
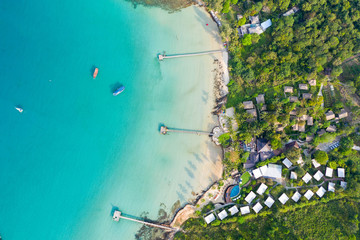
column 164, row 130
column 117, row 216
column 163, row 56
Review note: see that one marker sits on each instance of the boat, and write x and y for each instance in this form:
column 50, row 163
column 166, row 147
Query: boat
column 95, row 72
column 19, row 109
column 119, row 90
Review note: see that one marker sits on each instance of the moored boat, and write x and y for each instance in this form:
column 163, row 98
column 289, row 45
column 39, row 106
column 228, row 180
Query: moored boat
column 95, row 72
column 119, row 90
column 19, row 109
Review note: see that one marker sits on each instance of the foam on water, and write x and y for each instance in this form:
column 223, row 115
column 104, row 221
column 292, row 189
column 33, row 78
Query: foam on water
column 76, row 151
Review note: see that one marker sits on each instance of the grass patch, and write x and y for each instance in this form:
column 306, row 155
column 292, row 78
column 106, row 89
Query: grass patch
column 245, row 178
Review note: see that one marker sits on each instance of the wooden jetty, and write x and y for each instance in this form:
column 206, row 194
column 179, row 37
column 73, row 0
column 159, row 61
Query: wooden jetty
column 117, row 216
column 164, row 130
column 163, row 56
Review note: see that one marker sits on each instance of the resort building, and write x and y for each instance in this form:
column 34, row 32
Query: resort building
column 291, row 11
column 287, row 163
column 310, row 121
column 263, row 170
column 343, row 114
column 329, row 115
column 306, row 178
column 257, row 173
column 307, row 95
column 343, row 184
column 283, row 198
column 257, row 207
column 233, row 210
column 209, row 218
column 329, row 172
column 308, row 194
column 250, row 197
column 315, row 163
column 274, row 171
column 248, row 105
column 293, row 99
column 341, row 172
column 262, row 188
column 331, row 128
column 293, row 175
column 260, row 99
column 252, row 112
column 303, row 86
column 245, row 210
column 223, row 214
column 331, row 187
column 321, row 132
column 288, row 89
column 312, row 82
column 296, row 196
column 269, row 202
column 321, row 192
column 318, row 175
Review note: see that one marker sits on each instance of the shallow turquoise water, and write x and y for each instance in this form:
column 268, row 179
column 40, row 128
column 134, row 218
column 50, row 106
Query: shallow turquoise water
column 76, row 151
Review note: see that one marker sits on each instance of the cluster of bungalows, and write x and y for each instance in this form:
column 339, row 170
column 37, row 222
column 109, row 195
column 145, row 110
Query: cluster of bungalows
column 254, row 27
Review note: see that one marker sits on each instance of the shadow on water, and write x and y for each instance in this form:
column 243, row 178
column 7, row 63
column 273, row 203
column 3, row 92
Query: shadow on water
column 189, row 172
column 92, row 69
column 113, row 209
column 114, row 86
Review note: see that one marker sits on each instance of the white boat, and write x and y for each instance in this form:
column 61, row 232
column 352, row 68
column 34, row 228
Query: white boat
column 19, row 109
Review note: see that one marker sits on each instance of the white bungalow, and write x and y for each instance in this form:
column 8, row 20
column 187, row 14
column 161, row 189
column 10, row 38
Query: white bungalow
column 329, row 115
column 287, row 163
column 296, row 196
column 318, row 175
column 233, row 210
column 312, row 82
column 283, row 198
column 293, row 175
column 269, row 202
column 250, row 197
column 306, row 178
column 257, row 207
column 331, row 187
column 257, row 173
column 245, row 210
column 308, row 194
column 273, row 171
column 209, row 218
column 262, row 188
column 341, row 172
column 315, row 163
column 223, row 214
column 343, row 184
column 288, row 89
column 320, row 192
column 263, row 170
column 329, row 172
column 303, row 86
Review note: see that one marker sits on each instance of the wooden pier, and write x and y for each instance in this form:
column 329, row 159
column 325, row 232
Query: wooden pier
column 117, row 216
column 164, row 130
column 163, row 56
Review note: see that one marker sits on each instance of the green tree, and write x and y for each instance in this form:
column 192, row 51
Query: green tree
column 346, row 144
column 246, row 40
column 321, row 157
column 241, row 21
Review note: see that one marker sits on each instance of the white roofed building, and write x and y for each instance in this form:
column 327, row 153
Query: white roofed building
column 245, row 210
column 257, row 173
column 318, row 175
column 269, row 202
column 331, row 187
column 343, row 184
column 341, row 172
column 266, row 24
column 315, row 163
column 306, row 178
column 257, row 207
column 293, row 175
column 233, row 210
column 209, row 218
column 274, row 171
column 263, row 170
column 308, row 194
column 262, row 188
column 329, row 172
column 223, row 214
column 250, row 197
column 296, row 196
column 320, row 192
column 287, row 163
column 283, row 198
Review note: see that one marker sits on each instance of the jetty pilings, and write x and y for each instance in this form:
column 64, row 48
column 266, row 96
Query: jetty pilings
column 163, row 56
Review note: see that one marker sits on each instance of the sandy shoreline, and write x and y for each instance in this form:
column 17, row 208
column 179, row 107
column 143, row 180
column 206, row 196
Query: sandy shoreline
column 212, row 192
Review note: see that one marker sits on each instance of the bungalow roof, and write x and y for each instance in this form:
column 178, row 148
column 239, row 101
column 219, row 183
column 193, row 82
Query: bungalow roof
column 293, row 175
column 331, row 128
column 274, row 171
column 303, row 86
column 318, row 175
column 266, row 24
column 307, row 95
column 223, row 214
column 233, row 210
column 329, row 172
column 308, row 194
column 306, row 178
column 329, row 115
column 343, row 184
column 257, row 207
column 252, row 112
column 287, row 163
column 321, row 191
column 263, row 169
column 257, row 173
column 260, row 98
column 296, row 196
column 315, row 163
column 250, row 197
column 331, row 187
column 312, row 82
column 263, row 145
column 248, row 105
column 245, row 210
column 293, row 99
column 341, row 172
column 283, row 198
column 343, row 114
column 310, row 121
column 209, row 218
column 288, row 89
column 269, row 202
column 262, row 188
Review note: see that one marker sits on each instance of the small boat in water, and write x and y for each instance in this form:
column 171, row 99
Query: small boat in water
column 19, row 109
column 119, row 90
column 95, row 72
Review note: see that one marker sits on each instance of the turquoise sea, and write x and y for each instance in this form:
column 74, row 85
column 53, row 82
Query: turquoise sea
column 77, row 151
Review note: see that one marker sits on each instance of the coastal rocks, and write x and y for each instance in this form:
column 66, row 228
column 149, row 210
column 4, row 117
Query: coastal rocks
column 187, row 212
column 169, row 5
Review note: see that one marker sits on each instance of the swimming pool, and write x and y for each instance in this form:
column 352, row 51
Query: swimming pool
column 235, row 191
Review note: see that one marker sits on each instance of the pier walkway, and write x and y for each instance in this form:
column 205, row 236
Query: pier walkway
column 163, row 56
column 164, row 130
column 117, row 216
